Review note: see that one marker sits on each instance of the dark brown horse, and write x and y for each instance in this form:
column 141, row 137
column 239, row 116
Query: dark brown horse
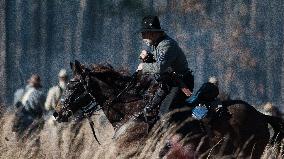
column 102, row 85
column 246, row 131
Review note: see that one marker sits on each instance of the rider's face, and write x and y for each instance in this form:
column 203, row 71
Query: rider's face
column 147, row 38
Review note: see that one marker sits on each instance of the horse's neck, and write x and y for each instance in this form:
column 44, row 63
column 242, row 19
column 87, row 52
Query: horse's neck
column 120, row 109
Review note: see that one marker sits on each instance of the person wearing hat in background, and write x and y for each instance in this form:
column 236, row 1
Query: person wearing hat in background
column 208, row 93
column 55, row 92
column 33, row 98
column 30, row 104
column 272, row 110
column 222, row 95
column 169, row 58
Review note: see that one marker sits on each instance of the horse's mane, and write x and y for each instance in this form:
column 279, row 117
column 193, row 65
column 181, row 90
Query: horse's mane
column 108, row 69
column 116, row 79
column 101, row 68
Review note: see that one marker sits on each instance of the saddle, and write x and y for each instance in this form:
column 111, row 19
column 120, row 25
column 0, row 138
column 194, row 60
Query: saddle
column 206, row 105
column 212, row 111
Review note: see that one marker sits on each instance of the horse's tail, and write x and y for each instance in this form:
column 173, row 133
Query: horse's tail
column 278, row 127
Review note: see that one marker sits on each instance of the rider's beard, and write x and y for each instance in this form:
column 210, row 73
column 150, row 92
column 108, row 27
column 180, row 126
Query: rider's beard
column 148, row 42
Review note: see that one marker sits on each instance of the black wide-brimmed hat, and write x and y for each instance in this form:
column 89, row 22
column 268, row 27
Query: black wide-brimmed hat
column 151, row 23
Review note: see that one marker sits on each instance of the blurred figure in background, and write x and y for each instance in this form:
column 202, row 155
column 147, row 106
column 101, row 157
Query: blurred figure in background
column 213, row 80
column 31, row 98
column 55, row 92
column 222, row 95
column 29, row 103
column 270, row 109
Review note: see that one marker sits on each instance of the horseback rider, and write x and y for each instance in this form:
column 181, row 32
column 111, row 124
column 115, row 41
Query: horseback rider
column 222, row 95
column 170, row 66
column 56, row 91
column 29, row 104
column 32, row 98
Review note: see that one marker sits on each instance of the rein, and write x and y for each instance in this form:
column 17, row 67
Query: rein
column 92, row 127
column 89, row 109
column 129, row 85
column 93, row 106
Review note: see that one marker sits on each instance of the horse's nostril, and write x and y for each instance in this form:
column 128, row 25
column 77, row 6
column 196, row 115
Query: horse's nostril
column 69, row 113
column 55, row 114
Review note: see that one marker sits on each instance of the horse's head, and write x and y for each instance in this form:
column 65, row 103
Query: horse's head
column 78, row 94
column 87, row 89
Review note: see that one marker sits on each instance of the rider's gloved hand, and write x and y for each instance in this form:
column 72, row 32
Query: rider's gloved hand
column 143, row 55
column 147, row 57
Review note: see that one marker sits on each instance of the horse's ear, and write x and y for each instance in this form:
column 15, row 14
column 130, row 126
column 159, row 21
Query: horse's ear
column 76, row 68
column 71, row 65
column 109, row 66
column 77, row 62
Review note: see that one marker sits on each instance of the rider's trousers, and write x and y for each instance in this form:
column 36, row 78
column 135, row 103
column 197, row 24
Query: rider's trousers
column 168, row 100
column 163, row 98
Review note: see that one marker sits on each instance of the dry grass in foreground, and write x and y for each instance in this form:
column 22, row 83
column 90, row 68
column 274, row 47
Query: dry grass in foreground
column 75, row 140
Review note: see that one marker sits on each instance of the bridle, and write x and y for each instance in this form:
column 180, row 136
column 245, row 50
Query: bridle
column 87, row 110
column 129, row 85
column 93, row 106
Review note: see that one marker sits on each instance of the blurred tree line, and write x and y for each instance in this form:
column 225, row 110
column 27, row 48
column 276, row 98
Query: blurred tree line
column 238, row 41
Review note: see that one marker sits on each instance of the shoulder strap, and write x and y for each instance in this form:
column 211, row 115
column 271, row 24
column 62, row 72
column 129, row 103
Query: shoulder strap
column 60, row 94
column 60, row 89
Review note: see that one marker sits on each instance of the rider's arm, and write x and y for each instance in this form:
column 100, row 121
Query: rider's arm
column 50, row 102
column 166, row 56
